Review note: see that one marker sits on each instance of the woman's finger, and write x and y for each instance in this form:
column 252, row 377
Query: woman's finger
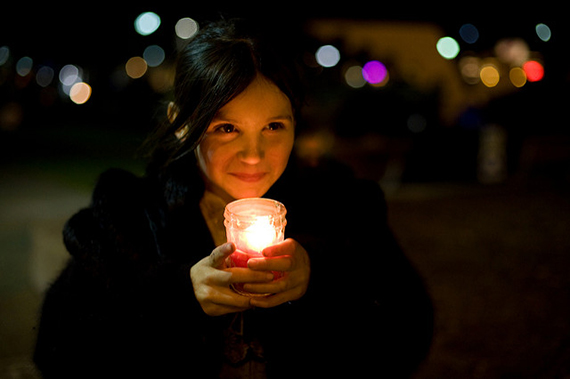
column 286, row 247
column 277, row 286
column 245, row 275
column 220, row 253
column 280, row 263
column 229, row 298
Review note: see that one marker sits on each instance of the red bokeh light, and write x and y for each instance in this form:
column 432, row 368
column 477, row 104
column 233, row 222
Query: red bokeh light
column 533, row 70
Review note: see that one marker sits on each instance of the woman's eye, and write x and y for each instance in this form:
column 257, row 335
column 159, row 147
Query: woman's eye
column 275, row 126
column 226, row 128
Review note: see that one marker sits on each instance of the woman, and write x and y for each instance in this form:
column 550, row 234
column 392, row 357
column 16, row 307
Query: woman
column 148, row 292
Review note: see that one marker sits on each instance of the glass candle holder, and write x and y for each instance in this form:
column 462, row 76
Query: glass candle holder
column 252, row 225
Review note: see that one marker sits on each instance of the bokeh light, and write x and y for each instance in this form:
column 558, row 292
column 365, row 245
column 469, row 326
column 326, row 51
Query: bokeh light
column 533, row 70
column 4, row 54
column 489, row 75
column 374, row 72
column 354, row 78
column 469, row 33
column 80, row 93
column 24, row 66
column 136, row 67
column 147, row 23
column 447, row 47
column 513, row 51
column 517, row 77
column 186, row 28
column 44, row 76
column 543, row 32
column 68, row 75
column 327, row 56
column 469, row 68
column 154, row 55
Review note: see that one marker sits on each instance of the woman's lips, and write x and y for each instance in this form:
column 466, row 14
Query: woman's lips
column 248, row 178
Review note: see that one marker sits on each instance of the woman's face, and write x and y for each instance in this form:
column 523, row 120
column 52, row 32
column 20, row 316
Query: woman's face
column 247, row 145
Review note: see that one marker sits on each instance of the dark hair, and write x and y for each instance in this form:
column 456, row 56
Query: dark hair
column 214, row 67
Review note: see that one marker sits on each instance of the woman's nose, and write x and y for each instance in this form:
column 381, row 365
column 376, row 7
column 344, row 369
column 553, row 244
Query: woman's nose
column 251, row 151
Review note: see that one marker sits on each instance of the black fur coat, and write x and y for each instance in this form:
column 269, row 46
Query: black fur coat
column 124, row 305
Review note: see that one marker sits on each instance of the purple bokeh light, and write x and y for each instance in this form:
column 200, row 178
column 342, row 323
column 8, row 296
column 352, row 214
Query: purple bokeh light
column 374, row 72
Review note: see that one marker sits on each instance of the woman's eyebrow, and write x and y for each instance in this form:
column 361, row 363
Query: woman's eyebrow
column 283, row 117
column 221, row 117
column 224, row 119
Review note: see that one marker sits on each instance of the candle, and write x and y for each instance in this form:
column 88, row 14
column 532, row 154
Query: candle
column 252, row 225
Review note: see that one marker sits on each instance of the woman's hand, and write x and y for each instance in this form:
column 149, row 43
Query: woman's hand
column 288, row 257
column 212, row 282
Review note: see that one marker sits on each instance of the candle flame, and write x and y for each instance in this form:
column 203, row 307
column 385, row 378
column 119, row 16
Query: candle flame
column 260, row 234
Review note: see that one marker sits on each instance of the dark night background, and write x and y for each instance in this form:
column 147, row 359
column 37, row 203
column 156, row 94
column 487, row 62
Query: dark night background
column 476, row 178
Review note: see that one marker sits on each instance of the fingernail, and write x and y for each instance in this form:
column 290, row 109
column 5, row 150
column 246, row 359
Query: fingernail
column 270, row 276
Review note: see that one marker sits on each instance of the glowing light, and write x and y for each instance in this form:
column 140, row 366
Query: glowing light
column 24, row 66
column 80, row 93
column 517, row 77
column 354, row 78
column 255, row 223
column 469, row 68
column 44, row 76
column 69, row 74
column 469, row 33
column 186, row 27
column 147, row 23
column 543, row 32
column 533, row 70
column 447, row 47
column 512, row 51
column 489, row 75
column 374, row 72
column 327, row 56
column 252, row 225
column 154, row 55
column 260, row 234
column 4, row 54
column 136, row 67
